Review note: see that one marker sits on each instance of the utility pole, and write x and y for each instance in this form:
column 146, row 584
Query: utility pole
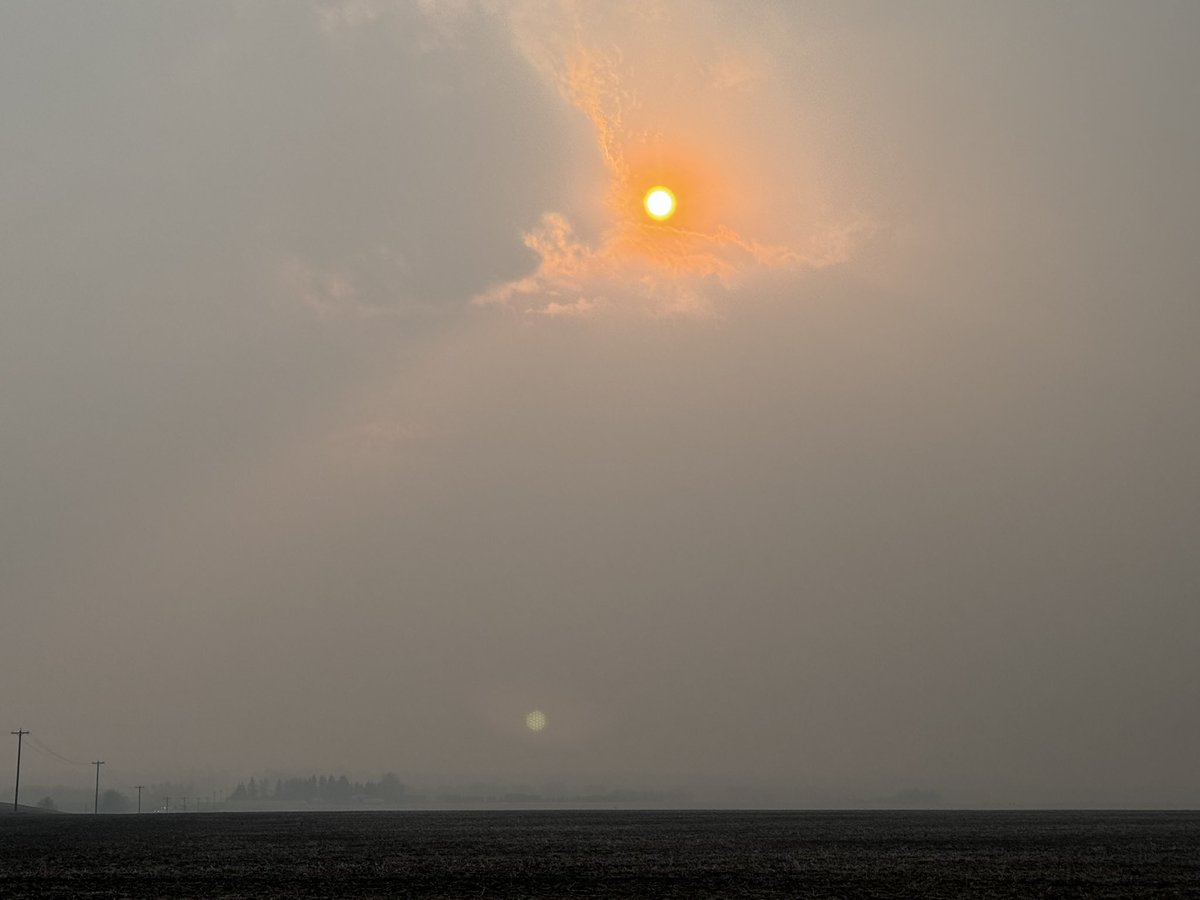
column 139, row 790
column 20, row 733
column 166, row 804
column 96, row 806
column 185, row 804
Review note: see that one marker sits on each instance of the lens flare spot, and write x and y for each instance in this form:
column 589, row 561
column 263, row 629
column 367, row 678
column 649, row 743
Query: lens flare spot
column 659, row 203
column 536, row 720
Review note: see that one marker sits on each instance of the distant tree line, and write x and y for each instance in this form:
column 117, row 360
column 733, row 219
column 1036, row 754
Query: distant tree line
column 114, row 802
column 320, row 788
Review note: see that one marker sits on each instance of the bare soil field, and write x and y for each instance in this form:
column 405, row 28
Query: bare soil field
column 542, row 854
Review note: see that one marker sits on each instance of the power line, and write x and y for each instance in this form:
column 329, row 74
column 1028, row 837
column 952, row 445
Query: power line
column 41, row 747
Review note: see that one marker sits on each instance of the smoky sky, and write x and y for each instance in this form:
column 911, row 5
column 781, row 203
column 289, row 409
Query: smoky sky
column 350, row 409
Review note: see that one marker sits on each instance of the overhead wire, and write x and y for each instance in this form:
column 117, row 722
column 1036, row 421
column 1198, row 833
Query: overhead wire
column 41, row 747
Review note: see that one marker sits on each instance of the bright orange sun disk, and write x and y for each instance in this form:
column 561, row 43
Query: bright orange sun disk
column 659, row 203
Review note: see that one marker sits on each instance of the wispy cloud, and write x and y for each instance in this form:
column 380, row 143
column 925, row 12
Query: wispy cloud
column 656, row 82
column 673, row 94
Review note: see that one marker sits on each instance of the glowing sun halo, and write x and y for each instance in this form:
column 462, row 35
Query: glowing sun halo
column 536, row 720
column 659, row 203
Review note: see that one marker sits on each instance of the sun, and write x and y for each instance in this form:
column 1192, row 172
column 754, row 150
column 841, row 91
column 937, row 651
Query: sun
column 659, row 203
column 536, row 720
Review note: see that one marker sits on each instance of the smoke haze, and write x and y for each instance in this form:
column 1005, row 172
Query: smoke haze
column 350, row 410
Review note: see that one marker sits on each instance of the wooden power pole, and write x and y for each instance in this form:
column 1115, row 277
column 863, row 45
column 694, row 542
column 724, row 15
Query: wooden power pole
column 96, row 806
column 20, row 733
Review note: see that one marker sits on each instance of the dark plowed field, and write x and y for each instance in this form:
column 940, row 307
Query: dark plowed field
column 923, row 855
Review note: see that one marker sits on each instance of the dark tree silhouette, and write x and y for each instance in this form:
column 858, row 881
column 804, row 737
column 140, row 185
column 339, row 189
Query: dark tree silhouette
column 114, row 802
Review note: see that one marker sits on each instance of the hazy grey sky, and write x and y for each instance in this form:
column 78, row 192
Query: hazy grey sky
column 350, row 408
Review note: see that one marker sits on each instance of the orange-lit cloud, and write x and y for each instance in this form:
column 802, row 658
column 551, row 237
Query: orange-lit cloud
column 671, row 100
